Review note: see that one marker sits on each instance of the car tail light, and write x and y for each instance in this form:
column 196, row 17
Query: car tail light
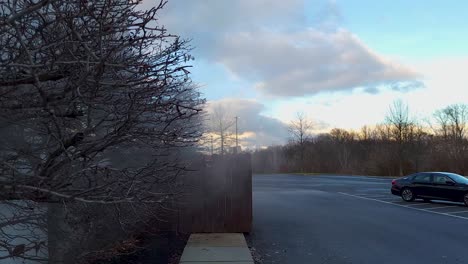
column 393, row 182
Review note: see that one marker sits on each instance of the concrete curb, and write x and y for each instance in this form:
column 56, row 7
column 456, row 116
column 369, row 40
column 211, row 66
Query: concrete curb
column 216, row 248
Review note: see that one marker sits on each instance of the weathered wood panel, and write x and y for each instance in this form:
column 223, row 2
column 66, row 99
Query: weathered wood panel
column 219, row 196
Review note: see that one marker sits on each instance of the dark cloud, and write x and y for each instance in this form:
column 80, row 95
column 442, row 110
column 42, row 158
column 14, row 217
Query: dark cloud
column 406, row 86
column 399, row 86
column 371, row 89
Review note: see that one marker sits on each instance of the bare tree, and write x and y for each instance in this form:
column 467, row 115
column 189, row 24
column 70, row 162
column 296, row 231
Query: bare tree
column 452, row 126
column 221, row 126
column 82, row 85
column 300, row 134
column 401, row 128
column 400, row 145
column 366, row 133
column 452, row 121
column 343, row 140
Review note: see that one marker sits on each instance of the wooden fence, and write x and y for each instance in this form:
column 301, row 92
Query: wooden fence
column 219, row 199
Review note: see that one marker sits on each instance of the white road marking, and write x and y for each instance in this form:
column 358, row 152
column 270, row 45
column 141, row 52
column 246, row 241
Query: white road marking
column 440, row 207
column 376, row 196
column 373, row 195
column 417, row 204
column 388, row 179
column 459, row 212
column 375, row 183
column 386, row 199
column 419, row 209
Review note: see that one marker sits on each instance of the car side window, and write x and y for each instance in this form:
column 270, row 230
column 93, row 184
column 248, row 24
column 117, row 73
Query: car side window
column 422, row 178
column 441, row 179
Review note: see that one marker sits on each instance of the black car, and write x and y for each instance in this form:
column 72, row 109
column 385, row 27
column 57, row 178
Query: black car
column 432, row 186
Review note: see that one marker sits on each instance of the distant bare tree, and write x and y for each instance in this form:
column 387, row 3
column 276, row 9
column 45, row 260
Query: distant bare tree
column 300, row 134
column 452, row 126
column 400, row 145
column 342, row 139
column 400, row 125
column 84, row 84
column 366, row 133
column 452, row 121
column 221, row 126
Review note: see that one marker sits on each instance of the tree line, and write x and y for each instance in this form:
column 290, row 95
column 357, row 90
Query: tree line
column 400, row 145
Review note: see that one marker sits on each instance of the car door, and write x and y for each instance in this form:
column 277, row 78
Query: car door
column 444, row 187
column 422, row 184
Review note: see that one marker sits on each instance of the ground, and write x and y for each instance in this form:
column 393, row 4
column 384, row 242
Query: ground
column 337, row 219
column 162, row 248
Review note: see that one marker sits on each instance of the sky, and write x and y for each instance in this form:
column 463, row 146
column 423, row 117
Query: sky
column 340, row 62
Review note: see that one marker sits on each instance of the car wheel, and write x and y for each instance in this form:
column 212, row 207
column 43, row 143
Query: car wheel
column 407, row 195
column 465, row 199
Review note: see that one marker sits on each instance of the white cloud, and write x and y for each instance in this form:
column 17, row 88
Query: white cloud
column 256, row 129
column 206, row 22
column 217, row 16
column 307, row 62
column 268, row 46
column 445, row 84
column 267, row 43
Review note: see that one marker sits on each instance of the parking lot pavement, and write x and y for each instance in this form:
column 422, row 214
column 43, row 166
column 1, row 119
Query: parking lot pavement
column 383, row 195
column 351, row 220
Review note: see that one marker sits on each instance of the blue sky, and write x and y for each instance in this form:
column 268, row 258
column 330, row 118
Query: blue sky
column 412, row 29
column 340, row 62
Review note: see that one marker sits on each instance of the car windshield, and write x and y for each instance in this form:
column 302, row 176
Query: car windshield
column 458, row 178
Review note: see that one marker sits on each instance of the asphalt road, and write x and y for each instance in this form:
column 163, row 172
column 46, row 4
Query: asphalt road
column 349, row 219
